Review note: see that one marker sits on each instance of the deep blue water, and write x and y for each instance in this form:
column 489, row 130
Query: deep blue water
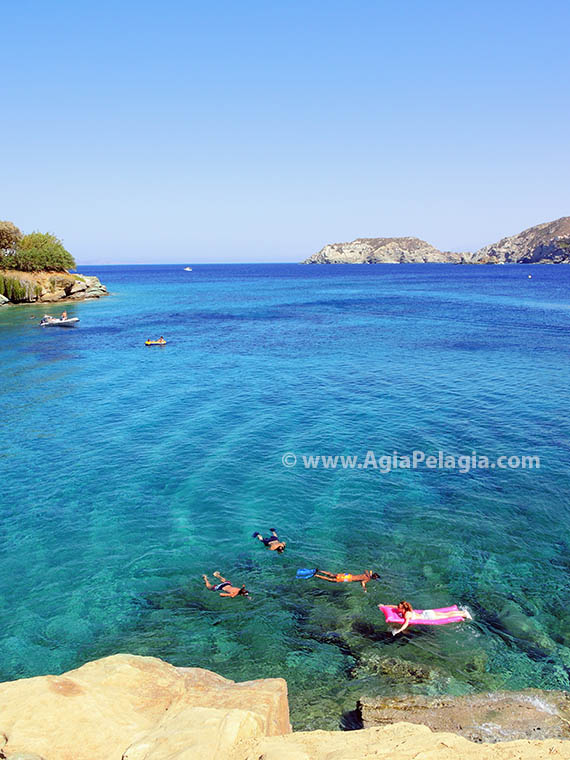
column 127, row 472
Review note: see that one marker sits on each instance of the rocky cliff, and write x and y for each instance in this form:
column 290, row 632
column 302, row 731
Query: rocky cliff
column 137, row 708
column 140, row 708
column 47, row 287
column 402, row 250
column 547, row 243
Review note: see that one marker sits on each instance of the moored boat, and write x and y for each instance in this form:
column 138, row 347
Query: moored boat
column 48, row 321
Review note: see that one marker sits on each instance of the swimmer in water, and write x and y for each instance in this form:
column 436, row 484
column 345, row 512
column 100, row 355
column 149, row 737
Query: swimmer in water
column 272, row 542
column 362, row 578
column 224, row 586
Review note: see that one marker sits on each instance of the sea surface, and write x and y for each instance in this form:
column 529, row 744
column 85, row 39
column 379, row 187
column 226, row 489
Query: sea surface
column 127, row 472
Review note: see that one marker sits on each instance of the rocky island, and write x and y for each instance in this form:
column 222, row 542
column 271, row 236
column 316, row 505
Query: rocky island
column 401, row 250
column 141, row 708
column 35, row 268
column 547, row 243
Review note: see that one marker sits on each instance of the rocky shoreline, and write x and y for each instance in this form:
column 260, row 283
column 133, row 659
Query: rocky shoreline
column 547, row 243
column 141, row 708
column 47, row 287
column 490, row 717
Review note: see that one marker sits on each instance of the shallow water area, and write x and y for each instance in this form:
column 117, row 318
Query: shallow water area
column 128, row 471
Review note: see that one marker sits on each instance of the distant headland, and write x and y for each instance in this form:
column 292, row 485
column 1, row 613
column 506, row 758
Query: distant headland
column 35, row 268
column 547, row 243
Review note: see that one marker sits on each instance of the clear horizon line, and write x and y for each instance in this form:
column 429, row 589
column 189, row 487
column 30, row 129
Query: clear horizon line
column 177, row 263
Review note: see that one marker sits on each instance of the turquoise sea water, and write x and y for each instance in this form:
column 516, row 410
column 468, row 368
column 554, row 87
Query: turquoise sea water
column 127, row 472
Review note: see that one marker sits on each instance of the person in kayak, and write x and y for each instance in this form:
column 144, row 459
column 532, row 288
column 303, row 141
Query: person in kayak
column 406, row 611
column 362, row 578
column 272, row 542
column 224, row 586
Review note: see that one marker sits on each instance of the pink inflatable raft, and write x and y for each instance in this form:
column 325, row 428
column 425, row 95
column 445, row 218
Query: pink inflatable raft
column 423, row 617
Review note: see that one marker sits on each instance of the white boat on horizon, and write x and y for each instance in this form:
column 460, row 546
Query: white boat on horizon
column 187, row 269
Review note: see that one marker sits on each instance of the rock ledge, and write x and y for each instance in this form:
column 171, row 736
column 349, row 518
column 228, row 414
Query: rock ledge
column 47, row 287
column 141, row 708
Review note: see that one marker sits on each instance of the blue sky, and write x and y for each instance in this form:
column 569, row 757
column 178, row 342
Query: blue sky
column 259, row 131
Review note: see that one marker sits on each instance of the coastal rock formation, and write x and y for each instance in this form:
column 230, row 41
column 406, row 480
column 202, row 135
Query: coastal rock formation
column 137, row 708
column 141, row 708
column 401, row 741
column 47, row 287
column 547, row 243
column 493, row 717
column 402, row 250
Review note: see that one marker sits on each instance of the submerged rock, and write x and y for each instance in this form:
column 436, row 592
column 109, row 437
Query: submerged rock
column 511, row 621
column 517, row 623
column 498, row 716
column 395, row 668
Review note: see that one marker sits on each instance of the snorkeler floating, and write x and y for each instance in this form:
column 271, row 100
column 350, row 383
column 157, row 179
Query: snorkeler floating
column 272, row 542
column 404, row 613
column 224, row 586
column 324, row 575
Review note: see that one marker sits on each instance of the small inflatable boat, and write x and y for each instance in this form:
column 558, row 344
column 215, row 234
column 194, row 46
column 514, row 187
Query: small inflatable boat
column 48, row 321
column 155, row 342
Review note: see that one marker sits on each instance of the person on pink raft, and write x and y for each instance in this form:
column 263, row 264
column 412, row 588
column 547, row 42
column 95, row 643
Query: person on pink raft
column 406, row 611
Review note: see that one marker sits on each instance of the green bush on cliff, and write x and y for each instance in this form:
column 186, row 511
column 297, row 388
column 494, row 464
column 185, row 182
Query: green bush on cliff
column 38, row 252
column 12, row 289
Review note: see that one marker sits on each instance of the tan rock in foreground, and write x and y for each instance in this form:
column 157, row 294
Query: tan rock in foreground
column 141, row 708
column 138, row 708
column 400, row 741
